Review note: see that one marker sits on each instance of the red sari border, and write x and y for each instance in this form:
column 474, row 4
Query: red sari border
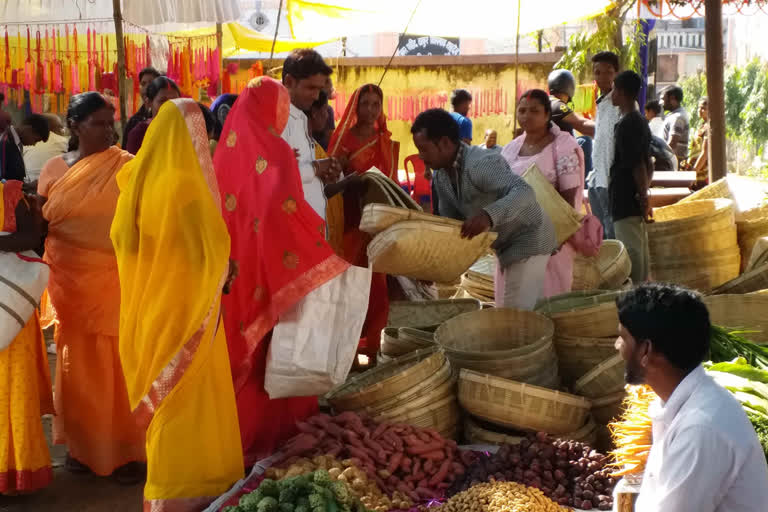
column 25, row 480
column 178, row 504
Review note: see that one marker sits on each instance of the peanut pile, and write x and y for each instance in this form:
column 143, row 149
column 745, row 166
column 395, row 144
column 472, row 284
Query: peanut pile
column 500, row 497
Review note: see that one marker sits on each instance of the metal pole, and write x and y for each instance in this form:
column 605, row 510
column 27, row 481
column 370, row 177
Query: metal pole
column 118, row 15
column 219, row 37
column 715, row 89
column 517, row 69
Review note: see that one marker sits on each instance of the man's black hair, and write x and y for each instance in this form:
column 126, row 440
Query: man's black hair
column 629, row 82
column 39, row 124
column 674, row 319
column 609, row 57
column 149, row 71
column 304, row 63
column 436, row 124
column 675, row 91
column 460, row 96
column 654, row 106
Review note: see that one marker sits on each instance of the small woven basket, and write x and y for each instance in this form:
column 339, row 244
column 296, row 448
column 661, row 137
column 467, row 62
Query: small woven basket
column 386, row 380
column 378, row 217
column 517, row 405
column 426, row 251
column 591, row 314
column 614, row 265
column 425, row 387
column 566, row 220
column 579, row 355
column 605, row 379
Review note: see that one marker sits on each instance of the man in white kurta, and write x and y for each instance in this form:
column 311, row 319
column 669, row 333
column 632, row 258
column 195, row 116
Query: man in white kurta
column 705, row 455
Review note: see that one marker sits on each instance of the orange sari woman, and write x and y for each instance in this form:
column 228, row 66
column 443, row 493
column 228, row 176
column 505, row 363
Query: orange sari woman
column 93, row 417
column 362, row 141
column 279, row 252
column 25, row 381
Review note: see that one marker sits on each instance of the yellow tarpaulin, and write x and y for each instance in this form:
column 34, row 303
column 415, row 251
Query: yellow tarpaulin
column 328, row 19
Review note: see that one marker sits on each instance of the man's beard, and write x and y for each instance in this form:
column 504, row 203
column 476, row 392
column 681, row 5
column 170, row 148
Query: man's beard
column 634, row 373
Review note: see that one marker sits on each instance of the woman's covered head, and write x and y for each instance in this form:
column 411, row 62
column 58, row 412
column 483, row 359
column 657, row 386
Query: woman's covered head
column 91, row 119
column 534, row 111
column 369, row 104
column 270, row 99
column 160, row 90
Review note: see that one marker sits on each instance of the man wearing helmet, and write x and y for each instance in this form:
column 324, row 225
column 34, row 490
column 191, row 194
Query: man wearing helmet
column 562, row 87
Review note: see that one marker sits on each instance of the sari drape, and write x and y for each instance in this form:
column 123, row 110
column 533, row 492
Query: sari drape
column 382, row 152
column 172, row 251
column 25, row 389
column 93, row 417
column 279, row 249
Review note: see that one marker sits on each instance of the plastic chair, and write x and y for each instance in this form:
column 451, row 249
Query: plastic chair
column 422, row 187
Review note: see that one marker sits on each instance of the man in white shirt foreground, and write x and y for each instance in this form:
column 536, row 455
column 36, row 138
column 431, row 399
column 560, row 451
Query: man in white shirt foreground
column 705, row 455
column 36, row 156
column 305, row 75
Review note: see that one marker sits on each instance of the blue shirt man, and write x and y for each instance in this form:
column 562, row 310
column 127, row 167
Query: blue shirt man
column 461, row 100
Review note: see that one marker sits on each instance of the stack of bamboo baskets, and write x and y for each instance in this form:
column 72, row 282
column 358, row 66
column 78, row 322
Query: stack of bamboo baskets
column 418, row 389
column 694, row 244
column 478, row 281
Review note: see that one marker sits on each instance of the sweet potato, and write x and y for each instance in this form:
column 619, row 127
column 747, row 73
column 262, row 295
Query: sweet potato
column 425, row 448
column 424, row 437
column 334, row 430
column 429, row 467
column 425, row 494
column 374, row 445
column 300, row 444
column 435, row 455
column 320, row 420
column 394, row 461
column 352, row 439
column 360, row 453
column 307, row 428
column 441, row 474
column 458, row 469
column 406, row 464
column 416, row 466
column 379, row 430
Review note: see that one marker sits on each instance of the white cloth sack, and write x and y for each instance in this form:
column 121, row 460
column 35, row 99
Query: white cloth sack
column 23, row 278
column 313, row 345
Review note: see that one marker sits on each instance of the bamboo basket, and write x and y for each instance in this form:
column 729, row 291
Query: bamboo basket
column 425, row 387
column 693, row 216
column 586, row 273
column 477, row 432
column 539, row 368
column 391, row 346
column 670, row 247
column 741, row 312
column 426, row 251
column 386, row 380
column 416, row 407
column 607, row 408
column 759, row 254
column 590, row 314
column 383, row 190
column 716, row 190
column 752, row 281
column 419, row 337
column 565, row 219
column 756, row 213
column 378, row 217
column 703, row 272
column 614, row 265
column 517, row 405
column 578, row 355
column 605, row 379
column 404, row 313
column 749, row 232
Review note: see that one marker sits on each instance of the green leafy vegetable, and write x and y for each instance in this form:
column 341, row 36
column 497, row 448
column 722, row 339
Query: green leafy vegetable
column 726, row 345
column 760, row 424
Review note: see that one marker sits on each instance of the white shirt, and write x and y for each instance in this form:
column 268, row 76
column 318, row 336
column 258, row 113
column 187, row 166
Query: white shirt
column 657, row 127
column 602, row 155
column 705, row 455
column 297, row 135
column 36, row 156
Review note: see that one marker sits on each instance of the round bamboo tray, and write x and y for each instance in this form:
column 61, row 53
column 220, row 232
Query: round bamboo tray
column 494, row 333
column 590, row 314
column 741, row 312
column 438, row 415
column 393, row 346
column 418, row 403
column 578, row 355
column 386, row 380
column 607, row 408
column 586, row 273
column 378, row 217
column 476, row 432
column 426, row 387
column 539, row 368
column 420, row 337
column 426, row 251
column 419, row 314
column 606, row 378
column 517, row 405
column 614, row 265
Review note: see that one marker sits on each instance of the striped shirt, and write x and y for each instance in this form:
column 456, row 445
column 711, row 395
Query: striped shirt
column 485, row 182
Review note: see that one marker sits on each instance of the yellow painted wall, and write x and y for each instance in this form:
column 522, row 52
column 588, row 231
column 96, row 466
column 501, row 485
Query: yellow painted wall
column 492, row 87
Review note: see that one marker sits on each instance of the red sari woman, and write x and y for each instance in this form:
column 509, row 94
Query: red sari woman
column 362, row 141
column 279, row 254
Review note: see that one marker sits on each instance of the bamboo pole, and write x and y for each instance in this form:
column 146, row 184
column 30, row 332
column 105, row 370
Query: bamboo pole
column 517, row 70
column 219, row 44
column 715, row 89
column 118, row 16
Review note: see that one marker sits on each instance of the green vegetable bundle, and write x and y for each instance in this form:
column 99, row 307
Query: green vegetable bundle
column 312, row 492
column 726, row 345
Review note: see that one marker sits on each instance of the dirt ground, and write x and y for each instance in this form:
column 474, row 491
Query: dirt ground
column 74, row 493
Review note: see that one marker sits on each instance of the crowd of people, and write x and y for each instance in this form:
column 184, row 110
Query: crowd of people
column 173, row 258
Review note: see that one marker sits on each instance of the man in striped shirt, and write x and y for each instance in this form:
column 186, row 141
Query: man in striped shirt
column 477, row 186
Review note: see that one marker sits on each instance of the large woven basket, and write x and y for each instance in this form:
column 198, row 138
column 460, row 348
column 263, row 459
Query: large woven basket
column 539, row 368
column 684, row 217
column 716, row 190
column 748, row 312
column 607, row 408
column 517, row 405
column 759, row 254
column 381, row 189
column 606, row 378
column 614, row 265
column 430, row 386
column 404, row 313
column 590, row 314
column 386, row 380
column 752, row 281
column 426, row 251
column 579, row 355
column 586, row 273
column 378, row 217
column 691, row 244
column 701, row 271
column 413, row 407
column 479, row 432
column 566, row 220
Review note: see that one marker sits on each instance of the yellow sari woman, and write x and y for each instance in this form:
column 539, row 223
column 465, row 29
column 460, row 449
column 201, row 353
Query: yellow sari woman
column 172, row 250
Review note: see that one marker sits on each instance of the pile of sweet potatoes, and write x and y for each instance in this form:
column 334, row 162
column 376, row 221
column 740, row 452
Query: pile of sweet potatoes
column 417, row 462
